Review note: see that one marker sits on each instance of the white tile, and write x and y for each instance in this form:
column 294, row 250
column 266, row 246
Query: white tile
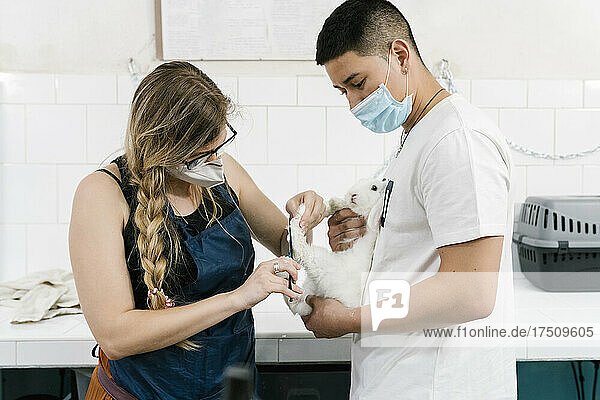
column 327, row 181
column 592, row 93
column 106, row 127
column 12, row 252
column 47, row 247
column 348, row 142
column 267, row 91
column 126, row 86
column 368, row 171
column 26, row 88
column 251, row 141
column 278, row 182
column 554, row 180
column 319, row 91
column 531, row 128
column 228, row 85
column 519, row 184
column 462, row 86
column 591, row 179
column 499, row 93
column 12, row 133
column 233, row 151
column 86, row 89
column 492, row 113
column 261, row 253
column 296, row 135
column 55, row 353
column 69, row 177
column 28, row 194
column 555, row 93
column 8, row 354
column 55, row 133
column 577, row 130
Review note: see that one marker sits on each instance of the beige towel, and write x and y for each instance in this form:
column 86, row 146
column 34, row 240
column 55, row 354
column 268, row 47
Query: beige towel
column 40, row 295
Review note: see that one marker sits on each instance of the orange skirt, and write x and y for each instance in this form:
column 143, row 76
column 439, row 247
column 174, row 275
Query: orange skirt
column 95, row 390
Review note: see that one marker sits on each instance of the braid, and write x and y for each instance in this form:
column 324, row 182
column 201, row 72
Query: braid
column 154, row 232
column 150, row 220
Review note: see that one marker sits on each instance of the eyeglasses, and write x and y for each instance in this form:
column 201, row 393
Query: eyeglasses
column 202, row 157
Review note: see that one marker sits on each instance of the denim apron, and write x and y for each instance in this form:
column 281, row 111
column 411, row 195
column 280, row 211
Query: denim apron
column 224, row 256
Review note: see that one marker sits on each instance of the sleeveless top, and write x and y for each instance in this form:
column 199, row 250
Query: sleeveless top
column 216, row 259
column 185, row 270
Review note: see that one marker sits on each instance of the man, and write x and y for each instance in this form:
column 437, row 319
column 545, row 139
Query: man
column 444, row 223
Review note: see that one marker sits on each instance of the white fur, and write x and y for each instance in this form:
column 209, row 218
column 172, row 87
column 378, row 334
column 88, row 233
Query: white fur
column 337, row 275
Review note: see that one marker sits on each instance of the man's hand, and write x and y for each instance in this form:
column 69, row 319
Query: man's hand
column 345, row 226
column 330, row 318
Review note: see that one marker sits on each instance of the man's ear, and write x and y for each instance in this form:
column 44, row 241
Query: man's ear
column 401, row 52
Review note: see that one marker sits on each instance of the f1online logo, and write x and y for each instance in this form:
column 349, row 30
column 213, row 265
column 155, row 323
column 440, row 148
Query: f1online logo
column 389, row 299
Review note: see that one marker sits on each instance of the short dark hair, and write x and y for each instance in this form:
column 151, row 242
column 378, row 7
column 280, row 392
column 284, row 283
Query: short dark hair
column 367, row 27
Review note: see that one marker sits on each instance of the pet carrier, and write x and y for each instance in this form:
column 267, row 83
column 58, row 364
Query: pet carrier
column 558, row 242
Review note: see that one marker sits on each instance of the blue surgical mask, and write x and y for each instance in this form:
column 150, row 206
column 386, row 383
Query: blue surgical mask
column 379, row 111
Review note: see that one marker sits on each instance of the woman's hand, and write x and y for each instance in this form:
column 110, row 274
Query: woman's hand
column 314, row 211
column 263, row 282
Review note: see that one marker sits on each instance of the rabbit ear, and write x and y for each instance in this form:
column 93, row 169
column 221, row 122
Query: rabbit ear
column 375, row 215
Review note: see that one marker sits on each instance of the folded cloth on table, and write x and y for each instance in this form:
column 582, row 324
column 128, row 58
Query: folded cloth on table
column 40, row 295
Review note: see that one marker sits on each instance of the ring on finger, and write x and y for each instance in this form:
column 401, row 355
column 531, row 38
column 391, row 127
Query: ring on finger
column 276, row 267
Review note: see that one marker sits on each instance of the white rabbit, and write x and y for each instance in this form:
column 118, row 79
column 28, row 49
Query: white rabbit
column 338, row 275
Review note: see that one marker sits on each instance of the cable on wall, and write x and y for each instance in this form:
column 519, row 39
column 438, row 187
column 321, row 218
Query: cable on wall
column 445, row 75
column 133, row 71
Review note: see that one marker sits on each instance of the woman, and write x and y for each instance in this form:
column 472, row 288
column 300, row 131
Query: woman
column 161, row 248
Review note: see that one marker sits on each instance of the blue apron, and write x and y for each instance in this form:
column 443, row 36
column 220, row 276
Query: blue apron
column 224, row 262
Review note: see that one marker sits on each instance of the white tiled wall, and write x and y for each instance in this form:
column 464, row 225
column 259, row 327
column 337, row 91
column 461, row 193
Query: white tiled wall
column 296, row 133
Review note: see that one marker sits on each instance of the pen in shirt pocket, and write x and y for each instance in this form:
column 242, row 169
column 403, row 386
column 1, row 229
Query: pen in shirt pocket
column 386, row 201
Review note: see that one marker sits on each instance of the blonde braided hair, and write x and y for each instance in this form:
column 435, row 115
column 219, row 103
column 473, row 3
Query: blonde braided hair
column 177, row 111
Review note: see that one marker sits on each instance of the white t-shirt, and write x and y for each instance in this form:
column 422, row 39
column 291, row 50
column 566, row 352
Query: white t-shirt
column 451, row 185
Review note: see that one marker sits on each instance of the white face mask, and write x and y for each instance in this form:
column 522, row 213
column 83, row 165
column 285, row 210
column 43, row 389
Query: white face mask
column 207, row 174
